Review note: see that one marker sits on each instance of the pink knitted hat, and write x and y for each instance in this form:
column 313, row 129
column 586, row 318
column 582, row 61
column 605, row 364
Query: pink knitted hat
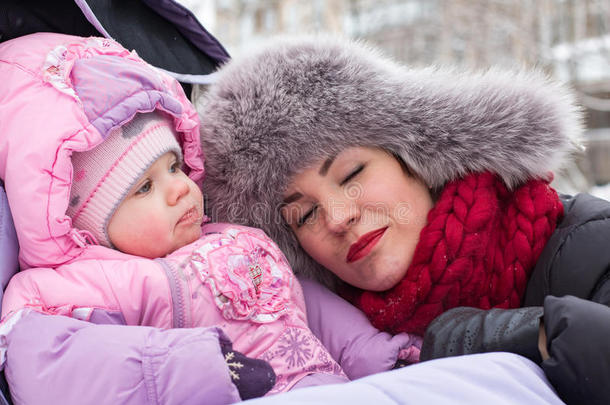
column 103, row 176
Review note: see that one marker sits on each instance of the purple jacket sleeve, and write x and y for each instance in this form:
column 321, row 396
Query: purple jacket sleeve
column 60, row 360
column 347, row 334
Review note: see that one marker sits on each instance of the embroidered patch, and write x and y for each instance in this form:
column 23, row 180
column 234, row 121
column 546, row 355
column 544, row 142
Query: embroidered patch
column 247, row 274
column 53, row 68
column 256, row 274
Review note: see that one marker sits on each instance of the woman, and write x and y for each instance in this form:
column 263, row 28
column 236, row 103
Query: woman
column 422, row 191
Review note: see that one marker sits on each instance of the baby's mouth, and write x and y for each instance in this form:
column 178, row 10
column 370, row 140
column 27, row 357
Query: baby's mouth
column 189, row 217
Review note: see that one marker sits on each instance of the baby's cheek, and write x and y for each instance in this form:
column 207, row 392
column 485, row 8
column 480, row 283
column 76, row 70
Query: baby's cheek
column 192, row 236
column 152, row 229
column 156, row 230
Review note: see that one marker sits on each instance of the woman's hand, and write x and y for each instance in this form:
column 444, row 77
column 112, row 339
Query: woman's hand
column 542, row 342
column 466, row 330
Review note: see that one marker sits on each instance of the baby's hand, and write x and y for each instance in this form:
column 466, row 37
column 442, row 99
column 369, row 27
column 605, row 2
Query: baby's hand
column 409, row 355
column 252, row 377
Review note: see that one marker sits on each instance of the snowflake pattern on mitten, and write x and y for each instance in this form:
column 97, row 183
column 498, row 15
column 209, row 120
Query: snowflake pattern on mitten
column 252, row 377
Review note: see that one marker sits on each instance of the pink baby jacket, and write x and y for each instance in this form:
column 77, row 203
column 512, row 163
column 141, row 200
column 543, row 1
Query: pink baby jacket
column 75, row 91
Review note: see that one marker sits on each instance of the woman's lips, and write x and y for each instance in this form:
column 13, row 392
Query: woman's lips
column 364, row 245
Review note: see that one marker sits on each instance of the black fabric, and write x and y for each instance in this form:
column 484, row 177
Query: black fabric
column 576, row 259
column 253, row 378
column 465, row 330
column 156, row 40
column 130, row 22
column 601, row 294
column 5, row 396
column 23, row 17
column 574, row 265
column 578, row 336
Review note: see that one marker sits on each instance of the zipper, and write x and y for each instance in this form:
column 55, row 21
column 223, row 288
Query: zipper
column 179, row 304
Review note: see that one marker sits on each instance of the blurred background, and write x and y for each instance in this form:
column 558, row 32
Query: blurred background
column 568, row 39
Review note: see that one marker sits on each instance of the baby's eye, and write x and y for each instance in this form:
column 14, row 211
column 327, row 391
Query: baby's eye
column 145, row 188
column 175, row 167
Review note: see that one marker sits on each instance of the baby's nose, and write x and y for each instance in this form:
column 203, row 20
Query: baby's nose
column 177, row 189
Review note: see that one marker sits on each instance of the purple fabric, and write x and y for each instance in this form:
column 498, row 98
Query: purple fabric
column 133, row 89
column 9, row 246
column 344, row 330
column 140, row 102
column 313, row 380
column 490, row 378
column 60, row 360
column 102, row 317
column 190, row 27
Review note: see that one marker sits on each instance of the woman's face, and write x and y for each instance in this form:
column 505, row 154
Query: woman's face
column 359, row 215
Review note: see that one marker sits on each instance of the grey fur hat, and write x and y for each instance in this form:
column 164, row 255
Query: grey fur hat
column 280, row 109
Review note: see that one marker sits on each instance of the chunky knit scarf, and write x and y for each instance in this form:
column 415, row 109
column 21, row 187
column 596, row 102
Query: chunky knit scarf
column 478, row 249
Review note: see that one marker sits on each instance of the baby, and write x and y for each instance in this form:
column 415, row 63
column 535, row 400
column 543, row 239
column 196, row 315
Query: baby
column 131, row 195
column 130, row 248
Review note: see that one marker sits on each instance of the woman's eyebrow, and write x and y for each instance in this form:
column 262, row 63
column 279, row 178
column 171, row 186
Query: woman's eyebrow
column 326, row 165
column 322, row 172
column 291, row 198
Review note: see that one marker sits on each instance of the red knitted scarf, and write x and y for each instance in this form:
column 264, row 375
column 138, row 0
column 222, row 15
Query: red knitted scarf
column 478, row 249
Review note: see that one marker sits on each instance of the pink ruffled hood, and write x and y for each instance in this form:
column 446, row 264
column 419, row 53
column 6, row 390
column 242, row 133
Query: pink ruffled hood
column 62, row 94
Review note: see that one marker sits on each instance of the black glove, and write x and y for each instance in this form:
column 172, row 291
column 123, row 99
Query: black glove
column 252, row 377
column 466, row 330
column 400, row 364
column 578, row 339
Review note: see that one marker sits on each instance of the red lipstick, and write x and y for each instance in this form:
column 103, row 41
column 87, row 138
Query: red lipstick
column 364, row 245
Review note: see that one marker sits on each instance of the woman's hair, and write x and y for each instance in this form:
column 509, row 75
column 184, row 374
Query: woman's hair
column 434, row 191
column 403, row 164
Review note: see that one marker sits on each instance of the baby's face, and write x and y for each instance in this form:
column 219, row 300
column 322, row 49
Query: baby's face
column 161, row 213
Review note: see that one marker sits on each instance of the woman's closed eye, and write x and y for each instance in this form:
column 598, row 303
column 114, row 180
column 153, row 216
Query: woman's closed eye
column 352, row 174
column 309, row 215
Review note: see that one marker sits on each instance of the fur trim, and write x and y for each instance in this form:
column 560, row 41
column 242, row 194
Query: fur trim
column 287, row 106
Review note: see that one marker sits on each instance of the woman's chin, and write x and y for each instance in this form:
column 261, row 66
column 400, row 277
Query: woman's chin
column 381, row 284
column 374, row 276
column 386, row 281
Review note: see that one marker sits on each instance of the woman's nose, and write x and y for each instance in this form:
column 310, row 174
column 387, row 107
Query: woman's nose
column 340, row 215
column 178, row 188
